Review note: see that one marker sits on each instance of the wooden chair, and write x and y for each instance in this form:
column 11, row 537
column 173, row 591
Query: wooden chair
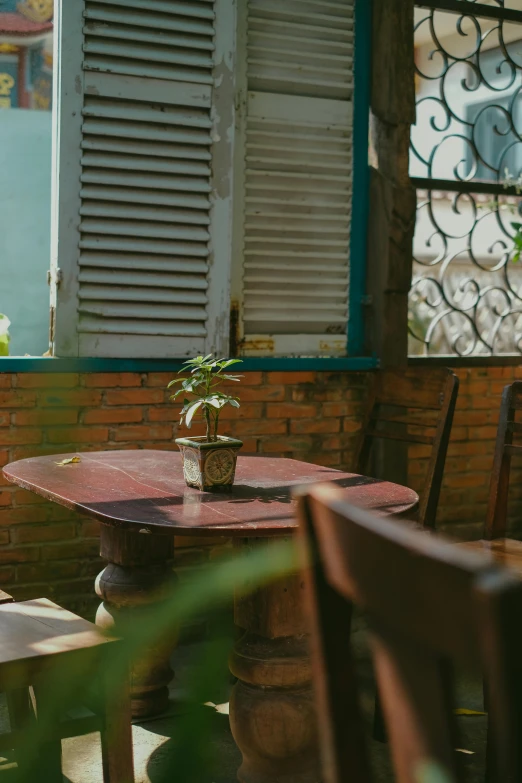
column 431, row 605
column 412, row 406
column 36, row 637
column 506, row 551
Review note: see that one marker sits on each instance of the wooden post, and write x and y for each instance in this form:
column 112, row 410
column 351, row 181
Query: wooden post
column 137, row 575
column 393, row 202
column 392, row 196
column 272, row 710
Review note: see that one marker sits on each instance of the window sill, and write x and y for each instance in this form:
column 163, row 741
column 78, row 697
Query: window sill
column 250, row 364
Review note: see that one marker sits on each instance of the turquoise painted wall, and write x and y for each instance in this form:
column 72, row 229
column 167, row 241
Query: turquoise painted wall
column 25, row 222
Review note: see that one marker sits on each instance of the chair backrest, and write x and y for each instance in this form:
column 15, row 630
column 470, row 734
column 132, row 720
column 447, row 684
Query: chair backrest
column 429, row 605
column 508, row 427
column 414, row 406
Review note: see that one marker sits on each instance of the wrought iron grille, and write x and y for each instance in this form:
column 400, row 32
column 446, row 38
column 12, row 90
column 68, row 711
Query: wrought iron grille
column 466, row 294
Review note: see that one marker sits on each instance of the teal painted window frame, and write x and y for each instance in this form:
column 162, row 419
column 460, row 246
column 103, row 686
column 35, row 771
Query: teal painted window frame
column 355, row 361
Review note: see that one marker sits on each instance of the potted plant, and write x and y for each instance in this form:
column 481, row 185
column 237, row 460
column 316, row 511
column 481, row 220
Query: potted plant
column 209, row 461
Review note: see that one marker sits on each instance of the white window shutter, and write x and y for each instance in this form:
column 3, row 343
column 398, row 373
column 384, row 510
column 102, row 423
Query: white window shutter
column 138, row 128
column 296, row 137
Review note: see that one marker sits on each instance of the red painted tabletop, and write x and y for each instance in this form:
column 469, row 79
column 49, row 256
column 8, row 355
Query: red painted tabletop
column 147, row 488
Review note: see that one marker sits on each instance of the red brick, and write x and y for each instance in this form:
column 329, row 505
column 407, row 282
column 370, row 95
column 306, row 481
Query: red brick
column 4, row 457
column 79, row 435
column 250, row 378
column 113, row 416
column 70, row 550
column 300, row 394
column 17, row 399
column 328, row 395
column 337, row 409
column 29, row 534
column 7, row 575
column 464, row 480
column 5, row 419
column 23, row 452
column 291, row 378
column 249, row 410
column 331, row 460
column 158, row 445
column 43, row 418
column 286, row 445
column 165, row 413
column 479, row 433
column 471, row 447
column 315, row 425
column 496, row 388
column 24, row 498
column 20, row 436
column 484, row 463
column 291, row 411
column 134, row 397
column 161, row 379
column 20, row 554
column 352, row 425
column 90, row 528
column 142, row 432
column 478, row 387
column 249, row 445
column 38, row 572
column 459, row 433
column 471, row 417
column 333, row 443
column 259, row 393
column 70, row 399
column 246, row 427
column 58, row 513
column 6, row 498
column 51, row 380
column 23, row 515
column 105, row 380
column 419, row 451
column 5, row 380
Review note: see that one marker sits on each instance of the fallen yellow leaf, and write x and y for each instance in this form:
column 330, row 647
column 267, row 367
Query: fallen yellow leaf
column 468, row 713
column 69, row 460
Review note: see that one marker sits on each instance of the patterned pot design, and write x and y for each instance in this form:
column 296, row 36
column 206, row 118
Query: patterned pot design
column 209, row 466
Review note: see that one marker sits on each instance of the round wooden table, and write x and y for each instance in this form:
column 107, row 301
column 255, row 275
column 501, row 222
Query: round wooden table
column 142, row 501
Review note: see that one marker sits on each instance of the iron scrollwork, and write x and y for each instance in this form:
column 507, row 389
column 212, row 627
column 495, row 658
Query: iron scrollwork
column 466, row 295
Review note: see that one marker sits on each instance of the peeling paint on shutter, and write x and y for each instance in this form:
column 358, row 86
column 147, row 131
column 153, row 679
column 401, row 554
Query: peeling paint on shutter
column 149, row 131
column 298, row 175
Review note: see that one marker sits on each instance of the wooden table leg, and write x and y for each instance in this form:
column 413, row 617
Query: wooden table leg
column 137, row 575
column 272, row 713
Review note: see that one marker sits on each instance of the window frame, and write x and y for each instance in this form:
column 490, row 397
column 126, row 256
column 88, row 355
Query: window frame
column 355, row 360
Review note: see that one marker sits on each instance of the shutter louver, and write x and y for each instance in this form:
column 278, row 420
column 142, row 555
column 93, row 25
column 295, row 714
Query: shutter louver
column 148, row 137
column 298, row 175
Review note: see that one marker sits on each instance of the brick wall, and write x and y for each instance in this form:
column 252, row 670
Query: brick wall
column 47, row 550
column 463, row 500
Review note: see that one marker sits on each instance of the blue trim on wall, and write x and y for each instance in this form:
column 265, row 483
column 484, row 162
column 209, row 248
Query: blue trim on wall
column 361, row 175
column 281, row 364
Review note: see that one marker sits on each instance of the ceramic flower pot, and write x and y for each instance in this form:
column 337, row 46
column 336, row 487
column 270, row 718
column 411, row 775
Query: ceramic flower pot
column 209, row 466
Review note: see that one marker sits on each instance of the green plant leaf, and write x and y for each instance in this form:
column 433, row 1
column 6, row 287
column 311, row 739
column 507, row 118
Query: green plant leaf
column 215, row 401
column 227, row 362
column 191, row 411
